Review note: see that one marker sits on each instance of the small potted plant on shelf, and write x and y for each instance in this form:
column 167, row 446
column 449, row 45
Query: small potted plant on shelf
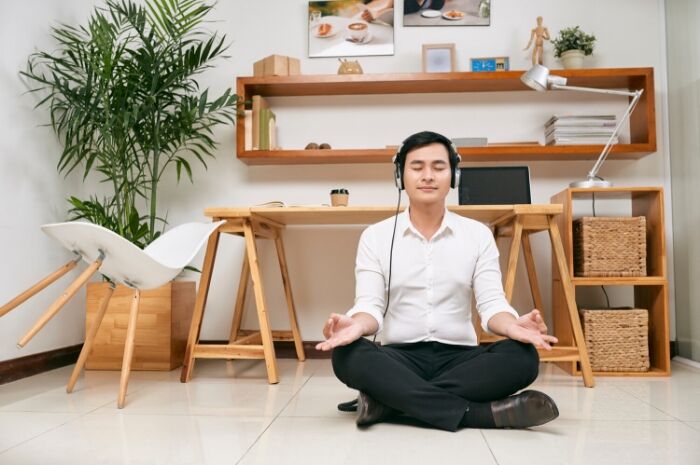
column 124, row 101
column 571, row 45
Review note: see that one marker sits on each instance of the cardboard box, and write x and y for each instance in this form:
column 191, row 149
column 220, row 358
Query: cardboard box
column 276, row 65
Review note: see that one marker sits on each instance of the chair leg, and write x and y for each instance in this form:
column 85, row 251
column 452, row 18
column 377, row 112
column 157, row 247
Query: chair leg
column 89, row 339
column 38, row 287
column 128, row 348
column 61, row 301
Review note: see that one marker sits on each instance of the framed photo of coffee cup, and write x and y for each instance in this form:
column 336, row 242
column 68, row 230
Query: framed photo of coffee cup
column 350, row 28
column 439, row 58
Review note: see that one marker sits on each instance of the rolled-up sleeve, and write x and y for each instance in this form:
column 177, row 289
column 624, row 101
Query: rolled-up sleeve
column 369, row 280
column 488, row 290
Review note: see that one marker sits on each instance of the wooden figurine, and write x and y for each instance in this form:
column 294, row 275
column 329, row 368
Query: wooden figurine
column 539, row 35
column 349, row 67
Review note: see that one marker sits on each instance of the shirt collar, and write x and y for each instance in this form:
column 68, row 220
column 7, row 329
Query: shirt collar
column 404, row 223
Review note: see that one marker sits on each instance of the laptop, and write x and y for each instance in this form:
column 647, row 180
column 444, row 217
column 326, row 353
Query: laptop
column 496, row 185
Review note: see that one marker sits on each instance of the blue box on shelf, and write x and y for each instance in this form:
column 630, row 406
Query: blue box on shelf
column 490, row 64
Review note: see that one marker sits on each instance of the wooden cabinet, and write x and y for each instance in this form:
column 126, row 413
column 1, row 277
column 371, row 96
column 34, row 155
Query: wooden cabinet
column 642, row 120
column 650, row 292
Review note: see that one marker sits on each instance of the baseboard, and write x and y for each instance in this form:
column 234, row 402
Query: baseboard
column 674, row 348
column 18, row 368
column 23, row 367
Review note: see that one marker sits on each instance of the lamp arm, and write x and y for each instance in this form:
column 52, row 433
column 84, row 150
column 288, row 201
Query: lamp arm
column 592, row 174
column 595, row 90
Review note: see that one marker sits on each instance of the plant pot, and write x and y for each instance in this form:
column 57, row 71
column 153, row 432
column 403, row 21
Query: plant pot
column 162, row 326
column 572, row 59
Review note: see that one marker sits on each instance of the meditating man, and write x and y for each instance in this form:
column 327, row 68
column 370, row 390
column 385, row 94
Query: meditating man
column 415, row 275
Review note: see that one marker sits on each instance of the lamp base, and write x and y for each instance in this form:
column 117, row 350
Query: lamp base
column 591, row 183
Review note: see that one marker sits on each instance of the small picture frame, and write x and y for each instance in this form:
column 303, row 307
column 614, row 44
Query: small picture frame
column 490, row 64
column 439, row 58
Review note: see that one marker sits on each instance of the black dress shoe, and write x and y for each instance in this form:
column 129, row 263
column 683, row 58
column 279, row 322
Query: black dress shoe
column 369, row 411
column 349, row 406
column 528, row 408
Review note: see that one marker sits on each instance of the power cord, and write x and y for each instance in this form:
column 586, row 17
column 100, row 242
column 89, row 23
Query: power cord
column 351, row 405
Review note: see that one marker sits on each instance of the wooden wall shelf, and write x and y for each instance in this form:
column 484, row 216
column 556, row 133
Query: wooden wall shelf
column 642, row 120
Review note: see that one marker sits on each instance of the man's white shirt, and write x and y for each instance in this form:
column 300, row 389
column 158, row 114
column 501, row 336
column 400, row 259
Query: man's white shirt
column 432, row 281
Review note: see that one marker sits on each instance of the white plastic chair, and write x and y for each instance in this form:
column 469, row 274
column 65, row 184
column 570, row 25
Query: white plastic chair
column 123, row 263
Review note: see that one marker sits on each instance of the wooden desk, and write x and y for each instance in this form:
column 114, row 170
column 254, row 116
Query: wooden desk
column 516, row 221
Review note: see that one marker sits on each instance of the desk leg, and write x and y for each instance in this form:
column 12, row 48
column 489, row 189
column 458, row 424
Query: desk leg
column 531, row 273
column 513, row 258
column 265, row 333
column 558, row 250
column 199, row 304
column 298, row 344
column 240, row 299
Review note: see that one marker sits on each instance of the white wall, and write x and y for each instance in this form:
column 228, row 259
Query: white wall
column 630, row 33
column 684, row 101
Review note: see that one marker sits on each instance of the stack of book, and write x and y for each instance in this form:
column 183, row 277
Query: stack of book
column 260, row 126
column 579, row 129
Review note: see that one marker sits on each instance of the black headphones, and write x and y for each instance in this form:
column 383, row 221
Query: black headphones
column 399, row 159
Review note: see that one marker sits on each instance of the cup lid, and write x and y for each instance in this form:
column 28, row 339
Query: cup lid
column 339, row 191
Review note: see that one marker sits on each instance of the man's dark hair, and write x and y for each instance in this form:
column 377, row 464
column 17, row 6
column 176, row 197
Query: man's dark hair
column 421, row 139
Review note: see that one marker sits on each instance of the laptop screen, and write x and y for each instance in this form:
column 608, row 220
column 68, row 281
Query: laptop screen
column 497, row 185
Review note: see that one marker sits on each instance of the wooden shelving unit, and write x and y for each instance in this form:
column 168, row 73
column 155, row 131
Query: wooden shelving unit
column 650, row 292
column 642, row 120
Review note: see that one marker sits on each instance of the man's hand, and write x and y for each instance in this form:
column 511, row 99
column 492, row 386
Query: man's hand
column 531, row 328
column 340, row 330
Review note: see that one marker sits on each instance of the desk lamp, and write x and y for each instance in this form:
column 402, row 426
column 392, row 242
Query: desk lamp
column 538, row 78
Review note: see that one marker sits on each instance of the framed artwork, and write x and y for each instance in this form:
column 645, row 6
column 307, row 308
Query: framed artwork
column 351, row 28
column 439, row 58
column 490, row 64
column 446, row 12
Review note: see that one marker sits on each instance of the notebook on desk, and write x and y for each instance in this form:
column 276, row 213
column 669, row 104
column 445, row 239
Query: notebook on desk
column 496, row 185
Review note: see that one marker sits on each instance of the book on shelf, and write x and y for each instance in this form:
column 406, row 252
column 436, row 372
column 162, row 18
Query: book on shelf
column 575, row 119
column 267, row 129
column 580, row 141
column 264, row 129
column 584, row 131
column 259, row 103
column 248, row 129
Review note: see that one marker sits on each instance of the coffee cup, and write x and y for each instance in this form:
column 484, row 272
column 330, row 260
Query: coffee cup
column 339, row 197
column 357, row 31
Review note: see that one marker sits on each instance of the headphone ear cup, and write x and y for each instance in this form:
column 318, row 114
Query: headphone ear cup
column 398, row 179
column 456, row 172
column 457, row 176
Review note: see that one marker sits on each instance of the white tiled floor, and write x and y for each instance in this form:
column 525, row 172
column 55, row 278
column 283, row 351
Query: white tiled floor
column 228, row 414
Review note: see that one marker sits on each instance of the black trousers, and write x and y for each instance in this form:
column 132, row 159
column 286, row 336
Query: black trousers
column 434, row 382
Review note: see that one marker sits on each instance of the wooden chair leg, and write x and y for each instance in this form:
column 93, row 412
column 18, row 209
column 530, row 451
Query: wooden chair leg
column 199, row 304
column 38, row 287
column 61, row 301
column 569, row 294
column 89, row 339
column 128, row 348
column 513, row 258
column 298, row 343
column 240, row 300
column 265, row 332
column 531, row 272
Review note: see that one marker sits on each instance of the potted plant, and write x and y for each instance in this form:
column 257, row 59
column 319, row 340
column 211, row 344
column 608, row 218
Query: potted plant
column 124, row 101
column 571, row 45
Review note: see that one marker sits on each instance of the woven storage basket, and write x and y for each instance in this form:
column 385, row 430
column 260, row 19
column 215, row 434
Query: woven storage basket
column 617, row 339
column 610, row 246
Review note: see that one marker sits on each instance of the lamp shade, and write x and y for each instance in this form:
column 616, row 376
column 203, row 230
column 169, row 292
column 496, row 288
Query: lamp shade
column 536, row 78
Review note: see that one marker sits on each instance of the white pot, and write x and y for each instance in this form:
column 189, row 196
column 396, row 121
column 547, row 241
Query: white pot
column 572, row 59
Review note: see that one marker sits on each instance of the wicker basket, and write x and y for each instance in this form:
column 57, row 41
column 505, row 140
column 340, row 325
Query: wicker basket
column 610, row 246
column 617, row 339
